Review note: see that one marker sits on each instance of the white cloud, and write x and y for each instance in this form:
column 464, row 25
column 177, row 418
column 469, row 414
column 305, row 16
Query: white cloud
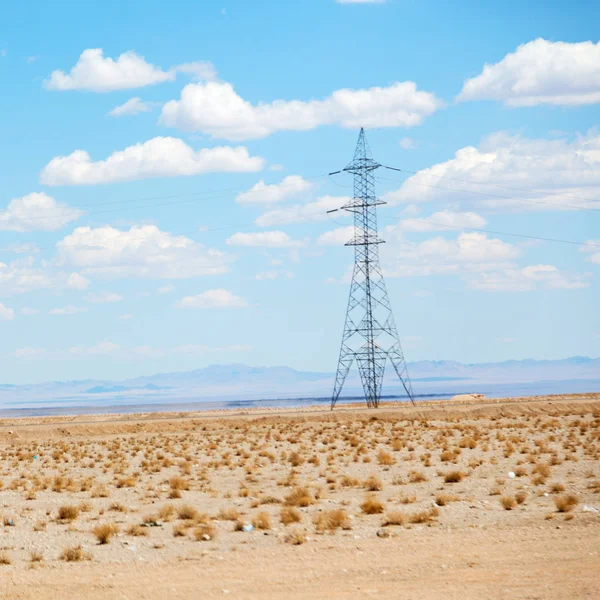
column 541, row 72
column 273, row 274
column 336, row 237
column 96, row 73
column 527, row 279
column 22, row 276
column 165, row 289
column 263, row 239
column 29, row 311
column 36, row 212
column 593, row 247
column 77, row 282
column 440, row 256
column 104, row 297
column 67, row 310
column 440, row 221
column 143, row 251
column 262, row 193
column 102, row 348
column 407, row 143
column 133, row 106
column 497, row 176
column 125, row 317
column 300, row 213
column 29, row 352
column 200, row 69
column 218, row 298
column 216, row 109
column 6, row 313
column 158, row 157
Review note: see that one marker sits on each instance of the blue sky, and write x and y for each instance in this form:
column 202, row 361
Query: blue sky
column 164, row 180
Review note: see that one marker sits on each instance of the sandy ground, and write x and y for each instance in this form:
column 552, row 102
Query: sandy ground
column 475, row 499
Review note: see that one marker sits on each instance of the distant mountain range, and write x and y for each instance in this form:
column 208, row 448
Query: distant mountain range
column 237, row 383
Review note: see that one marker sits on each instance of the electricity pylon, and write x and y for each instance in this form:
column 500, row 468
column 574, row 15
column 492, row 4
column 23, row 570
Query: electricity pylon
column 370, row 335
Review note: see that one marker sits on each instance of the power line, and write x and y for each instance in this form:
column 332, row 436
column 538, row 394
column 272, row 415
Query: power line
column 208, row 195
column 520, row 235
column 528, row 191
column 410, row 182
column 189, row 232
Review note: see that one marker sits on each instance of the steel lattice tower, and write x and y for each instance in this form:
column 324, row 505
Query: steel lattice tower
column 370, row 335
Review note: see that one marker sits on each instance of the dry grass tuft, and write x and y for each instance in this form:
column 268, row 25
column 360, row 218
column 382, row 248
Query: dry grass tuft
column 425, row 516
column 394, row 518
column 5, row 559
column 373, row 484
column 508, row 502
column 453, row 476
column 330, row 520
column 299, row 496
column 104, row 532
column 296, row 537
column 290, row 515
column 262, row 521
column 67, row 513
column 187, row 513
column 444, row 499
column 74, row 554
column 205, row 532
column 137, row 531
column 371, row 505
column 229, row 514
column 520, row 497
column 566, row 503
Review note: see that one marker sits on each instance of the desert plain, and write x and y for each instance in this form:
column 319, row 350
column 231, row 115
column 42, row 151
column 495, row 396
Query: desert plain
column 474, row 499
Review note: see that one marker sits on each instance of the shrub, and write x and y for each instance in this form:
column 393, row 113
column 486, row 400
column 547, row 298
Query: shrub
column 296, row 537
column 385, row 458
column 371, row 505
column 416, row 477
column 555, row 488
column 508, row 502
column 373, row 484
column 289, row 515
column 520, row 497
column 36, row 557
column 187, row 513
column 229, row 514
column 394, row 518
column 299, row 496
column 425, row 516
column 262, row 521
column 566, row 503
column 330, row 520
column 68, row 513
column 5, row 559
column 453, row 476
column 137, row 531
column 74, row 554
column 104, row 532
column 179, row 483
column 444, row 499
column 205, row 532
